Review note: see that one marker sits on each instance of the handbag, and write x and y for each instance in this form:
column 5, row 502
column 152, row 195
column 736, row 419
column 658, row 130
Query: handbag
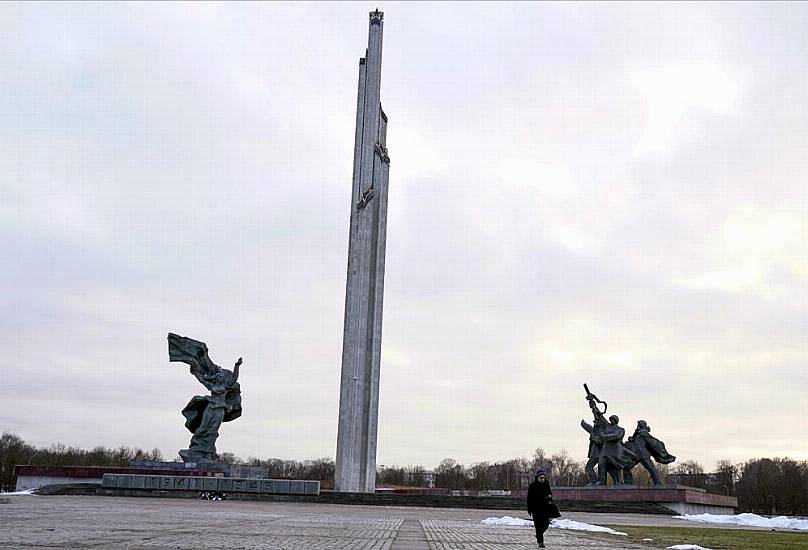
column 552, row 511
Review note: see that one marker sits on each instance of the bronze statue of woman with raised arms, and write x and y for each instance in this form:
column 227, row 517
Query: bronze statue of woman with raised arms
column 205, row 413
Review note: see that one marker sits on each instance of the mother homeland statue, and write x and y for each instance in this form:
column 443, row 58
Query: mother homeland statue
column 205, row 413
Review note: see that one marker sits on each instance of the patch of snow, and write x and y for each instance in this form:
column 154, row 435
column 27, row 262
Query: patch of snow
column 648, row 540
column 750, row 520
column 556, row 523
column 580, row 526
column 18, row 493
column 687, row 547
column 508, row 520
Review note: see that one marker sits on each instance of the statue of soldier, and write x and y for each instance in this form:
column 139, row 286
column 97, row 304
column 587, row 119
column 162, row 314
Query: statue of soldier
column 645, row 446
column 595, row 441
column 605, row 444
column 613, row 453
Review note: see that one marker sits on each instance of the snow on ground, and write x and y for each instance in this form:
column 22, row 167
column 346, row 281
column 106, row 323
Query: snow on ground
column 508, row 520
column 580, row 526
column 750, row 520
column 556, row 523
column 18, row 493
column 687, row 547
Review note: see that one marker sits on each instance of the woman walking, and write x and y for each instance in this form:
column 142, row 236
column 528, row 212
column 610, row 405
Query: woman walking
column 540, row 505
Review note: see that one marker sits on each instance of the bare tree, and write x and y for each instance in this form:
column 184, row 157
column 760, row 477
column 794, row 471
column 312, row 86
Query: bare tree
column 726, row 476
column 539, row 459
column 565, row 470
column 450, row 475
column 480, row 476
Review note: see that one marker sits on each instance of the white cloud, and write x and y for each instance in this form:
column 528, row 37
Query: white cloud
column 752, row 244
column 761, row 235
column 572, row 239
column 550, row 179
column 671, row 91
column 726, row 280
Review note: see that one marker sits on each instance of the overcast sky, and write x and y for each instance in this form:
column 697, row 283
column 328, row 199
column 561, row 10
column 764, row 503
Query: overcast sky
column 604, row 193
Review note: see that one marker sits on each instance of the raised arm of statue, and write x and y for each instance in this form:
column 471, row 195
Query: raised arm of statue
column 586, row 426
column 596, row 411
column 236, row 369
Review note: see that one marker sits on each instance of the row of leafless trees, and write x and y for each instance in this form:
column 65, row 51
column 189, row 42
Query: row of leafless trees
column 277, row 468
column 764, row 485
column 509, row 475
column 14, row 450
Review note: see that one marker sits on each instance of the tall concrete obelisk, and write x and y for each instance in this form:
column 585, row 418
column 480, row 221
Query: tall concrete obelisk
column 362, row 336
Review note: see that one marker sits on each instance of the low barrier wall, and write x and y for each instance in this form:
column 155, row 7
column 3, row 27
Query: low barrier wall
column 33, row 477
column 211, row 484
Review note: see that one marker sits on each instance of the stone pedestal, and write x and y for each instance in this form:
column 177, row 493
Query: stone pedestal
column 678, row 498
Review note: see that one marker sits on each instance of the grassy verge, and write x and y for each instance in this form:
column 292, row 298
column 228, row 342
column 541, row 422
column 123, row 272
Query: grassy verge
column 716, row 539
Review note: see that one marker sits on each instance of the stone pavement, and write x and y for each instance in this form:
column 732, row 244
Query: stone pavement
column 148, row 523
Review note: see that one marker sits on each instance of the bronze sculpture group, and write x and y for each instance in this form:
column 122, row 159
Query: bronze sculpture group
column 616, row 458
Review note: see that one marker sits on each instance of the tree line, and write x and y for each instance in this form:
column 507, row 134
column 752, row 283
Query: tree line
column 762, row 485
column 14, row 450
column 320, row 469
column 508, row 475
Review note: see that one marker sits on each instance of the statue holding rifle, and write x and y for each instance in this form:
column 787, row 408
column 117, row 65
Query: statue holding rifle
column 205, row 413
column 595, row 435
column 605, row 441
column 612, row 456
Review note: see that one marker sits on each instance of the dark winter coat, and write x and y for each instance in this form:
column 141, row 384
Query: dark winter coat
column 539, row 498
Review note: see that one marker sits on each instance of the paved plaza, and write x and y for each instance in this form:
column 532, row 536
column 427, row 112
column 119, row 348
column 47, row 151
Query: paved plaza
column 119, row 522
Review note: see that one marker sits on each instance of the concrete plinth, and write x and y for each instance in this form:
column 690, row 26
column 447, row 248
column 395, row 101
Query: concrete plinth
column 679, row 498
